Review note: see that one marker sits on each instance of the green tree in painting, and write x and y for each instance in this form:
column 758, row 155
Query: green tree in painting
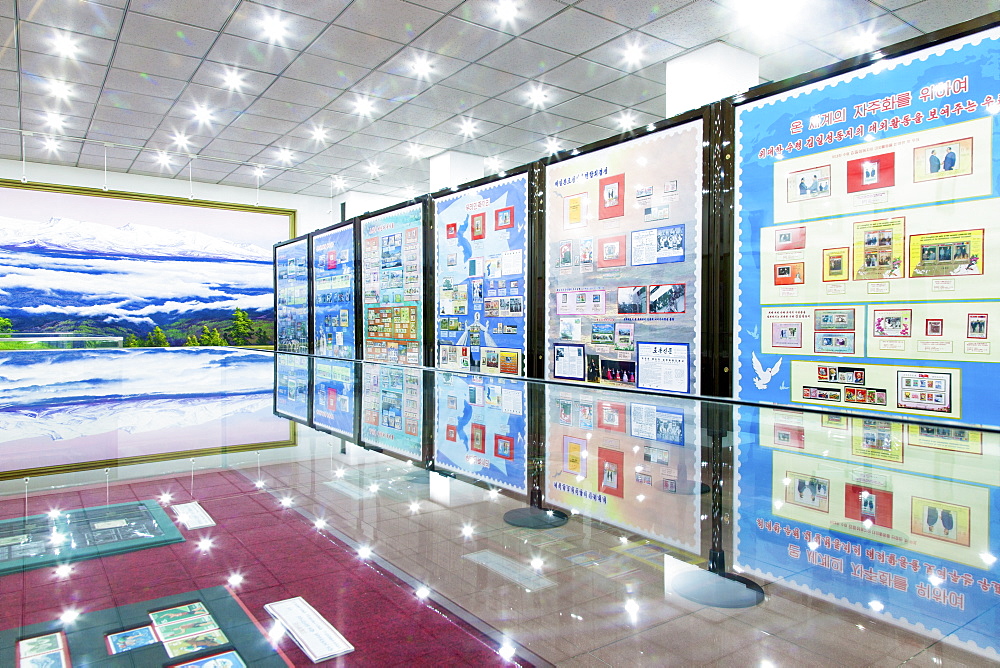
column 260, row 337
column 132, row 341
column 240, row 330
column 6, row 325
column 192, row 340
column 211, row 337
column 157, row 339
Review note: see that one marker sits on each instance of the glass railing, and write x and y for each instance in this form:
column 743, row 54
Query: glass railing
column 557, row 522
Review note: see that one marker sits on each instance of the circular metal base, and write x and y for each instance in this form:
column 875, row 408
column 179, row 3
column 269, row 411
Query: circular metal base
column 535, row 518
column 727, row 590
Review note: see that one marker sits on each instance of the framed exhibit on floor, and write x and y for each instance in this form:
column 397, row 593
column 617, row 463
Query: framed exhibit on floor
column 334, row 296
column 291, row 296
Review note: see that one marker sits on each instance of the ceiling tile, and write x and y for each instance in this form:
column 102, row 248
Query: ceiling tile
column 525, row 58
column 552, row 95
column 150, row 61
column 265, row 123
column 483, row 80
column 439, row 139
column 583, row 108
column 530, row 14
column 164, row 35
column 822, row 17
column 315, row 69
column 448, row 99
column 211, row 15
column 402, row 64
column 390, row 130
column 574, row 31
column 249, row 18
column 322, row 162
column 581, row 75
column 245, row 136
column 249, row 54
column 368, row 142
column 694, row 24
column 133, row 82
column 83, row 17
column 214, row 74
column 585, row 133
column 932, row 15
column 388, row 19
column 307, row 144
column 37, row 37
column 57, row 68
column 656, row 106
column 546, row 123
column 128, row 117
column 114, row 132
column 419, row 116
column 461, row 39
column 653, row 50
column 793, row 61
column 656, row 72
column 287, row 111
column 36, row 85
column 322, row 10
column 144, row 103
column 628, row 90
column 390, row 87
column 294, row 90
column 854, row 41
column 631, row 13
column 511, row 136
column 499, row 111
column 349, row 46
column 760, row 43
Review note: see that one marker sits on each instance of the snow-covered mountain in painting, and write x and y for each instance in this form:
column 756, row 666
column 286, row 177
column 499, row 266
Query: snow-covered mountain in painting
column 63, row 235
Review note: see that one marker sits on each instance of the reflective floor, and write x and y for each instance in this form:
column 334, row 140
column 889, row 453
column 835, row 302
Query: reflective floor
column 389, row 498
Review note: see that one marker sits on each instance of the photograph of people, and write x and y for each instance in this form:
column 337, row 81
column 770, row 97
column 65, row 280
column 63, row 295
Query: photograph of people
column 950, row 160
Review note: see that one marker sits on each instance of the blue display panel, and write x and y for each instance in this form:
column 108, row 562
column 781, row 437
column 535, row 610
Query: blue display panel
column 392, row 404
column 392, row 278
column 631, row 460
column 890, row 517
column 333, row 395
column 623, row 263
column 481, row 299
column 866, row 228
column 292, row 289
column 333, row 293
column 291, row 387
column 481, row 428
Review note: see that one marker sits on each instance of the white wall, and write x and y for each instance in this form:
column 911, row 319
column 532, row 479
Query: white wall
column 312, row 212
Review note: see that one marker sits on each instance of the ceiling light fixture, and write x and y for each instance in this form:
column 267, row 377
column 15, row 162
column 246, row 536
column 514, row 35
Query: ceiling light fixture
column 202, row 114
column 59, row 89
column 552, row 146
column 274, row 28
column 233, row 80
column 285, row 155
column 363, row 106
column 626, row 121
column 506, row 11
column 164, row 159
column 373, row 172
column 865, row 41
column 259, row 171
column 416, row 152
column 633, row 54
column 468, row 127
column 537, row 96
column 340, row 184
column 63, row 45
column 493, row 164
column 181, row 140
column 55, row 121
column 319, row 134
column 421, row 66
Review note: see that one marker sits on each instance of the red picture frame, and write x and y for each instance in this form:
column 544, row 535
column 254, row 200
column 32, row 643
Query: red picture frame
column 503, row 447
column 477, row 440
column 606, row 409
column 451, row 432
column 477, row 226
column 611, row 251
column 934, row 327
column 611, row 197
column 871, row 173
column 611, row 472
column 451, row 230
column 503, row 218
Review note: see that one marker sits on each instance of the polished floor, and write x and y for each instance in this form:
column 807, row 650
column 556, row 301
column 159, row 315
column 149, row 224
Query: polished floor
column 376, row 517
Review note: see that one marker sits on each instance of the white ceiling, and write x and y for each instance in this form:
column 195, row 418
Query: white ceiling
column 143, row 66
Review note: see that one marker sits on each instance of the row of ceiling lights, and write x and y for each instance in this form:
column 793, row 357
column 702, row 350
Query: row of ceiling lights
column 275, row 30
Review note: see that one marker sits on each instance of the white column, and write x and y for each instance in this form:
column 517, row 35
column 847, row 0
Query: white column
column 708, row 74
column 452, row 168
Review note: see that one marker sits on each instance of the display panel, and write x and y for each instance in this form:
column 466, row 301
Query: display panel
column 481, row 271
column 623, row 261
column 333, row 293
column 865, row 228
column 630, row 460
column 392, row 404
column 292, row 292
column 481, row 428
column 333, row 395
column 896, row 518
column 392, row 277
column 291, row 387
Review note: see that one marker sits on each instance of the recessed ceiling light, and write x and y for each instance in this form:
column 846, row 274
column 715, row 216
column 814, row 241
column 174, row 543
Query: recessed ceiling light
column 373, row 171
column 55, row 121
column 537, row 96
column 409, row 192
column 416, row 152
column 319, row 133
column 233, row 80
column 339, row 184
column 865, row 41
column 285, row 155
column 626, row 121
column 421, row 66
column 259, row 171
column 59, row 89
column 274, row 28
column 202, row 114
column 506, row 11
column 63, row 45
column 363, row 106
column 181, row 140
column 164, row 159
column 552, row 145
column 468, row 127
column 633, row 54
column 493, row 163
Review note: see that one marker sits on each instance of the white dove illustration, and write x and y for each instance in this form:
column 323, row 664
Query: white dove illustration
column 764, row 376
